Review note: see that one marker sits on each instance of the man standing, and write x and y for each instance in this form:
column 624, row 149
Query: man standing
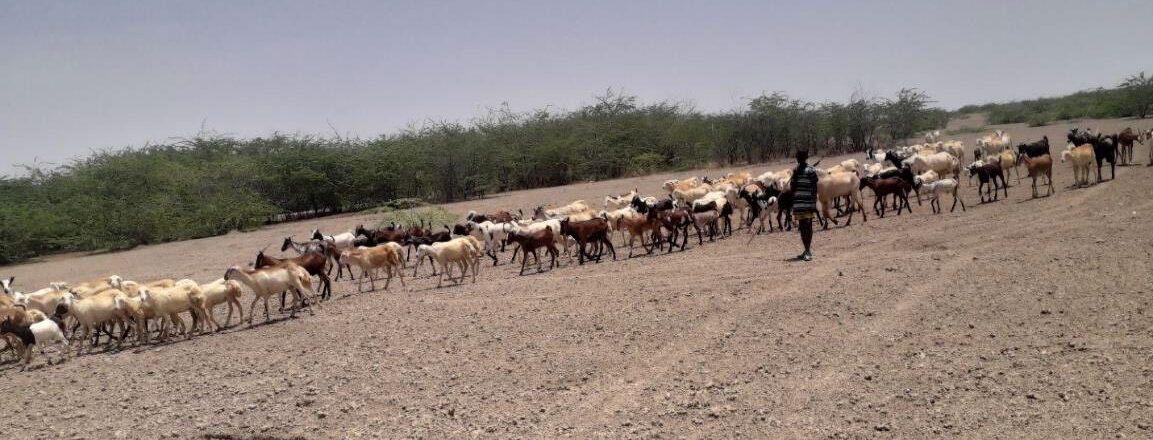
column 804, row 186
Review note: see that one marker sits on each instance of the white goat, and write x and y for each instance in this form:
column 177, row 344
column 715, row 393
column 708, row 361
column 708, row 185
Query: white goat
column 219, row 292
column 38, row 334
column 458, row 251
column 269, row 281
column 172, row 301
column 93, row 312
column 939, row 186
column 617, row 202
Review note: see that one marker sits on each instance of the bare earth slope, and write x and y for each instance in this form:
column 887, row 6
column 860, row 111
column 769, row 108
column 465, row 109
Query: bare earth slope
column 1017, row 319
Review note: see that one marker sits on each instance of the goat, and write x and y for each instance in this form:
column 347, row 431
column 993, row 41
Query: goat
column 373, row 237
column 1007, row 160
column 535, row 227
column 219, row 292
column 497, row 217
column 932, row 136
column 942, row 163
column 172, row 302
column 389, row 256
column 994, row 143
column 1125, row 141
column 677, row 221
column 987, row 174
column 531, row 242
column 617, row 202
column 337, row 243
column 620, row 217
column 492, row 234
column 894, row 158
column 935, row 189
column 640, row 225
column 463, row 251
column 1104, row 149
column 685, row 196
column 733, row 198
column 45, row 300
column 1040, row 166
column 39, row 334
column 312, row 262
column 1081, row 159
column 93, row 312
column 1033, row 149
column 595, row 231
column 435, row 237
column 265, row 282
column 760, row 198
column 579, row 206
column 739, row 179
column 706, row 216
column 838, row 185
column 1147, row 135
column 918, row 180
column 883, row 187
column 955, row 148
column 673, row 185
column 720, row 201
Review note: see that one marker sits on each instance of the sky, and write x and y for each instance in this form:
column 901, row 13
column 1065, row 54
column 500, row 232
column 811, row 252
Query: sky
column 78, row 76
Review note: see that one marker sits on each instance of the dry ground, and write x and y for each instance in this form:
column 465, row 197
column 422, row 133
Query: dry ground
column 1020, row 318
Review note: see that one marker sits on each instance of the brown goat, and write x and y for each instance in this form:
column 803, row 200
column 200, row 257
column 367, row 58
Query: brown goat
column 532, row 241
column 595, row 231
column 1040, row 166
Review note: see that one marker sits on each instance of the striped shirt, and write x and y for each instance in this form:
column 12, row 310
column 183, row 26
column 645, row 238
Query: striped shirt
column 804, row 185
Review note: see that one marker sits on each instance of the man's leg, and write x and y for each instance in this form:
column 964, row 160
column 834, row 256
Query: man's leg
column 806, row 228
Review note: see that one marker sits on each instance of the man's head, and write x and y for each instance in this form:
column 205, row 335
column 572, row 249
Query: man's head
column 802, row 156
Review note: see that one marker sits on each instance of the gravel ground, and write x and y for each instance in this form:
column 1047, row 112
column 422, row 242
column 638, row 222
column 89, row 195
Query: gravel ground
column 1016, row 319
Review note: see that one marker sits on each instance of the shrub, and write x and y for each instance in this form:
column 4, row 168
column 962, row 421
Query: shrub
column 434, row 216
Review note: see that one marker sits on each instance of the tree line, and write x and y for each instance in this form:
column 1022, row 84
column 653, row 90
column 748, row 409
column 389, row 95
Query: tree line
column 1133, row 97
column 210, row 185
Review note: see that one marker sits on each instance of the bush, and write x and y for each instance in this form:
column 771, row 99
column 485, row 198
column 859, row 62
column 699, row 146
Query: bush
column 1039, row 120
column 433, row 216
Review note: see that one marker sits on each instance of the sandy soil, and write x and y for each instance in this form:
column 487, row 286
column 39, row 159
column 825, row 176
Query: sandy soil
column 1016, row 319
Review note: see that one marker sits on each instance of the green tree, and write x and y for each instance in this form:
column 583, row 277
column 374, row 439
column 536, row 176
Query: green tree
column 906, row 114
column 1138, row 91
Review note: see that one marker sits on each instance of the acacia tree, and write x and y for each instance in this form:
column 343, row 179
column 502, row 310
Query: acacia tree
column 904, row 115
column 1138, row 91
column 862, row 118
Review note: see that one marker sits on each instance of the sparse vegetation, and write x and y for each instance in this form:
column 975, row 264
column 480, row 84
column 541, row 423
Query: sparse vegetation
column 1132, row 98
column 433, row 216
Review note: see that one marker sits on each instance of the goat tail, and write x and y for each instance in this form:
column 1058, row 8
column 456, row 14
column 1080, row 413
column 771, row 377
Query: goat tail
column 305, row 278
column 399, row 252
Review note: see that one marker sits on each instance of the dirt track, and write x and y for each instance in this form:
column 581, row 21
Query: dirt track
column 1020, row 318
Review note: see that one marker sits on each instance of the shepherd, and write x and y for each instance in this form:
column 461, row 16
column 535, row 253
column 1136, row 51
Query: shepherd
column 804, row 186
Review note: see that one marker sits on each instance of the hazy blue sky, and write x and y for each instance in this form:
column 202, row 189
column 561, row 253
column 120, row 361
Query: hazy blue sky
column 96, row 74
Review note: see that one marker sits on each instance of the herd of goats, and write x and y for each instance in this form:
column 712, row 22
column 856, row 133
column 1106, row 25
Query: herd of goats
column 78, row 314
